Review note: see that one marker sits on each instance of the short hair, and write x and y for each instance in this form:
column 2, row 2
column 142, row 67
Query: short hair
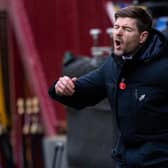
column 144, row 18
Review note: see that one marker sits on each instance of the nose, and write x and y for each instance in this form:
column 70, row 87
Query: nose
column 119, row 31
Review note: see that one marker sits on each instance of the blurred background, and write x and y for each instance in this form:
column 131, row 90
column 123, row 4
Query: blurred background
column 39, row 41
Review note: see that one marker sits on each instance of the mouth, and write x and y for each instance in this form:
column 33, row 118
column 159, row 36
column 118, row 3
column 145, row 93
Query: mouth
column 117, row 43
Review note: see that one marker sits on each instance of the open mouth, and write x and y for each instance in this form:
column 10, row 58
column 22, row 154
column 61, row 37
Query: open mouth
column 117, row 43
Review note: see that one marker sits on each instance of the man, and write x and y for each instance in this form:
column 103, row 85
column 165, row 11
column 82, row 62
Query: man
column 135, row 80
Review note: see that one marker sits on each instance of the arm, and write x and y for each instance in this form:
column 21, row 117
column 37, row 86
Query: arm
column 87, row 90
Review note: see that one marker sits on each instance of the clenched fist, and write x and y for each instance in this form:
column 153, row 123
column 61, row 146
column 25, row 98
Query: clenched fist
column 65, row 86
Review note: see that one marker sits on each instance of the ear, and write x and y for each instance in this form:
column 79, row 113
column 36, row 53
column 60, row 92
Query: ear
column 143, row 36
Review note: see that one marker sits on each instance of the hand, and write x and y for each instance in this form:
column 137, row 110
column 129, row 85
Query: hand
column 65, row 86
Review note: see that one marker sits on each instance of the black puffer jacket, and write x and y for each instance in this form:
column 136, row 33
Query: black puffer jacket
column 140, row 104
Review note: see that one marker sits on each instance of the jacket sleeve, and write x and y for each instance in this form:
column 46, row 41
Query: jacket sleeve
column 89, row 90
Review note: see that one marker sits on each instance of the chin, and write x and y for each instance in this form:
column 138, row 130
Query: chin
column 119, row 54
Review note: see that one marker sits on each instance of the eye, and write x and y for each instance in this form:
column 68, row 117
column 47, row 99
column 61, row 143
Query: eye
column 115, row 27
column 128, row 29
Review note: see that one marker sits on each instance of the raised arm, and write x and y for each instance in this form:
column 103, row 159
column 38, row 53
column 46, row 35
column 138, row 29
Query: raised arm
column 79, row 93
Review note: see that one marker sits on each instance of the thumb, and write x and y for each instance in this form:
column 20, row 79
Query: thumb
column 74, row 79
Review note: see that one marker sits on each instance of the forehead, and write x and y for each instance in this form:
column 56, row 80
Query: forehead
column 126, row 21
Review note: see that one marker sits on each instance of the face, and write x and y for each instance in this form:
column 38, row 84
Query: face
column 126, row 37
